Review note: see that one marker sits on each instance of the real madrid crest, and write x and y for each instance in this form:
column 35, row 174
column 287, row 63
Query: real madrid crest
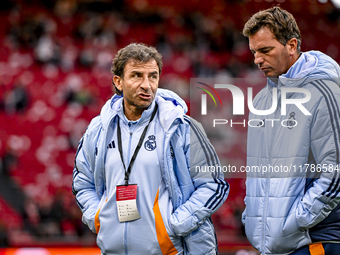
column 150, row 144
column 291, row 121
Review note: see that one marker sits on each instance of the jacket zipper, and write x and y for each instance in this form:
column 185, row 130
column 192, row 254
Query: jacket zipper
column 275, row 125
column 170, row 179
column 126, row 223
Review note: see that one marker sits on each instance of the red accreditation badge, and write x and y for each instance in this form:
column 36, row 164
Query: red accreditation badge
column 126, row 196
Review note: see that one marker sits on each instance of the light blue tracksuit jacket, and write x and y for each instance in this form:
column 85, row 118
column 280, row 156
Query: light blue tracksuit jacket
column 179, row 222
column 290, row 207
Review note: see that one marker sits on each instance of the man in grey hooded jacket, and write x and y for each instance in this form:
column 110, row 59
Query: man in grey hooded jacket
column 292, row 206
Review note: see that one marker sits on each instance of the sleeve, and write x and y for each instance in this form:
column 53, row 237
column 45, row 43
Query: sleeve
column 83, row 185
column 324, row 194
column 244, row 213
column 210, row 188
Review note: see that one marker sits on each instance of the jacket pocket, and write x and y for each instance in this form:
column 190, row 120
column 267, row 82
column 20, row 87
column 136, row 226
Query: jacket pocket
column 285, row 234
column 96, row 217
column 291, row 224
column 202, row 241
column 168, row 242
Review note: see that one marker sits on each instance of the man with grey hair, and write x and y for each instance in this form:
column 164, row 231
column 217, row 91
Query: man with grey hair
column 295, row 210
column 135, row 178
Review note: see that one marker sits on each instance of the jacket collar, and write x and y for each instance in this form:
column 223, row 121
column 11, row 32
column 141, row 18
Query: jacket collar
column 296, row 74
column 311, row 65
column 144, row 118
column 170, row 108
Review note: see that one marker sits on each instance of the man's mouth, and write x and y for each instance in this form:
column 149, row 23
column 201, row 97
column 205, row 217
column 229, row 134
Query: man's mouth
column 144, row 96
column 265, row 69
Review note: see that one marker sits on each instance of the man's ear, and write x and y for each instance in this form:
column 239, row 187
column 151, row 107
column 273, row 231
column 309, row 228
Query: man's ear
column 117, row 80
column 292, row 46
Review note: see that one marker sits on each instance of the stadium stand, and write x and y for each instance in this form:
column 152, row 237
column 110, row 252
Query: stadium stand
column 55, row 58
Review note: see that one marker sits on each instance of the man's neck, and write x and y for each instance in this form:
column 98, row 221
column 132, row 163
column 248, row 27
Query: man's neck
column 133, row 113
column 294, row 59
column 275, row 80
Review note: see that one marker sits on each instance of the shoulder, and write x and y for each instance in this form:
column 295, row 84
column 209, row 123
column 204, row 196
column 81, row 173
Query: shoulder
column 325, row 61
column 194, row 128
column 191, row 122
column 322, row 87
column 324, row 93
column 94, row 125
column 92, row 132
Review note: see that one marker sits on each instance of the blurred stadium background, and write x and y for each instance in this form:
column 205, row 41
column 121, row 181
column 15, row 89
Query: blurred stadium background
column 55, row 59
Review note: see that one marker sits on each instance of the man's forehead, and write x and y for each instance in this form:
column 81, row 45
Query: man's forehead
column 134, row 64
column 262, row 38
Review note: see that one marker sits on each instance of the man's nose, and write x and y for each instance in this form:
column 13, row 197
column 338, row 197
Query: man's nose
column 145, row 83
column 258, row 59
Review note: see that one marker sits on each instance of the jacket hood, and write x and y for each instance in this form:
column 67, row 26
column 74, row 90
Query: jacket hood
column 311, row 65
column 170, row 107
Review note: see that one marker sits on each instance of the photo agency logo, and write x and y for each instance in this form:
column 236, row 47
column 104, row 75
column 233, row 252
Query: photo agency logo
column 258, row 117
column 204, row 97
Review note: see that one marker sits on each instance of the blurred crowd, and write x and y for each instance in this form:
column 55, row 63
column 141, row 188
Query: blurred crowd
column 54, row 218
column 55, row 60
